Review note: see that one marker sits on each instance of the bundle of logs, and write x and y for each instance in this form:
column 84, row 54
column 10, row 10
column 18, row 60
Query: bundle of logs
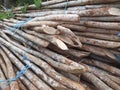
column 66, row 45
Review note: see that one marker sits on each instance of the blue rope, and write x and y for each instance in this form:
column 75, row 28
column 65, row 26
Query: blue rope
column 117, row 56
column 24, row 57
column 66, row 7
column 23, row 70
column 20, row 24
column 118, row 35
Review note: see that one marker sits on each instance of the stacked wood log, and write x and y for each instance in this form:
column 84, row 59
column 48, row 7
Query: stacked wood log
column 66, row 45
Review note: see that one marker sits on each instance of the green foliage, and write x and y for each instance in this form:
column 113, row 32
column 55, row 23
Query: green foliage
column 24, row 9
column 11, row 14
column 3, row 16
column 7, row 14
column 38, row 3
column 23, row 2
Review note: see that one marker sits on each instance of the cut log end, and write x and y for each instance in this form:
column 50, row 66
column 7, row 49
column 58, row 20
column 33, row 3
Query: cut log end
column 114, row 11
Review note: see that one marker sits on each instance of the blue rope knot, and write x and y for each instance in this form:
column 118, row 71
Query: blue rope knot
column 23, row 70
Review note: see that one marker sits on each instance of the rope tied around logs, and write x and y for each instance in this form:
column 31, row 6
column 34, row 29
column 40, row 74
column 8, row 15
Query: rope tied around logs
column 20, row 24
column 24, row 57
column 22, row 72
column 66, row 5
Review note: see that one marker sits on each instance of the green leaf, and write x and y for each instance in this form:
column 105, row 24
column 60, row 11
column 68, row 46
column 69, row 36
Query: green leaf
column 7, row 14
column 24, row 9
column 38, row 3
column 3, row 16
column 11, row 14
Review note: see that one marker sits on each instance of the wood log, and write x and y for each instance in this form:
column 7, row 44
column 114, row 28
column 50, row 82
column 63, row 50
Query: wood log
column 100, row 43
column 3, row 66
column 85, row 7
column 104, row 66
column 101, row 36
column 10, row 71
column 69, row 45
column 50, row 53
column 39, row 23
column 67, row 32
column 104, row 78
column 32, row 77
column 96, row 81
column 32, row 38
column 70, row 53
column 79, row 29
column 88, row 86
column 104, row 25
column 51, row 39
column 3, row 85
column 103, row 19
column 59, row 17
column 77, row 3
column 46, row 29
column 43, row 4
column 99, row 51
column 67, row 68
column 54, row 84
column 99, row 12
column 21, row 85
column 60, row 58
column 50, row 71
